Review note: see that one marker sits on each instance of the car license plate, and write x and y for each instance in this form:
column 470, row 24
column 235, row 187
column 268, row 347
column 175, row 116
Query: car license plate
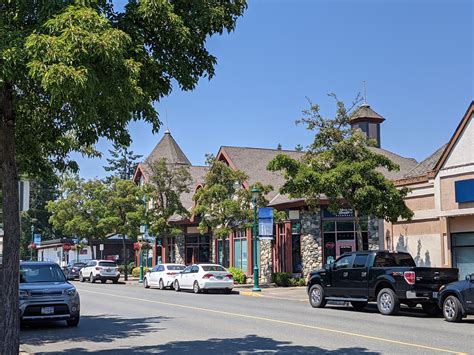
column 47, row 310
column 219, row 277
column 108, row 270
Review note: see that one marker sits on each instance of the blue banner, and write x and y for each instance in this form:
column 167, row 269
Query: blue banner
column 37, row 239
column 265, row 221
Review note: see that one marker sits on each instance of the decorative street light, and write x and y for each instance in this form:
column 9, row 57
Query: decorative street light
column 255, row 193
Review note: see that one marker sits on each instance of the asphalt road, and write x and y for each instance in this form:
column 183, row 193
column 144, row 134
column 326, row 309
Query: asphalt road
column 125, row 319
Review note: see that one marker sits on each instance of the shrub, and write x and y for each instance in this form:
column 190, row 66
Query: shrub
column 281, row 279
column 136, row 271
column 296, row 282
column 238, row 275
column 131, row 266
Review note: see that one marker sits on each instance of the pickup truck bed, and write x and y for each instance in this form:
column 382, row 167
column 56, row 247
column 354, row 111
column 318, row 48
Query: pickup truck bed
column 385, row 277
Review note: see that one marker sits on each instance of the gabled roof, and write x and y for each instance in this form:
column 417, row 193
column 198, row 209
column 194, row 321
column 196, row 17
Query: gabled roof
column 254, row 161
column 170, row 150
column 426, row 165
column 363, row 113
column 457, row 133
column 405, row 164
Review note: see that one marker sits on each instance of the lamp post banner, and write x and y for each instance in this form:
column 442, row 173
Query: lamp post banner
column 265, row 222
column 37, row 239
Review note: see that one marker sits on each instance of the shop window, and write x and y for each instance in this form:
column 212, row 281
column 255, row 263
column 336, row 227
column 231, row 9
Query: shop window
column 198, row 249
column 329, row 226
column 345, row 226
column 296, row 247
column 223, row 252
column 240, row 250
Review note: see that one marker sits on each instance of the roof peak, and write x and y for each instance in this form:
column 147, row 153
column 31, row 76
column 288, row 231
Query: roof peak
column 168, row 149
column 365, row 112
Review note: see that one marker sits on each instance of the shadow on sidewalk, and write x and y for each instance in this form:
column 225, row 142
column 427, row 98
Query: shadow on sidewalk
column 100, row 329
column 248, row 344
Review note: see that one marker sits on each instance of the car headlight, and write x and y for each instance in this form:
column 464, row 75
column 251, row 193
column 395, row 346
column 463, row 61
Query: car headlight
column 24, row 294
column 70, row 292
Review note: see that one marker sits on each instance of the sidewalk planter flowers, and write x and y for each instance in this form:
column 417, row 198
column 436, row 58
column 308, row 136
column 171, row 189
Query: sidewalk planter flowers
column 136, row 271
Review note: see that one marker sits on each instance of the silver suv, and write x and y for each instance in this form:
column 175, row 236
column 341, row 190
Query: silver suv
column 45, row 294
column 102, row 270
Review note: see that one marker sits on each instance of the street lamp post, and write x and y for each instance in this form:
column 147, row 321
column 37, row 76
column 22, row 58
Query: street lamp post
column 32, row 240
column 141, row 265
column 256, row 287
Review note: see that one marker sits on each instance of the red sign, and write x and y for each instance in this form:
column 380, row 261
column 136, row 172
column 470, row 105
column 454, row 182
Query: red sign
column 330, row 245
column 67, row 247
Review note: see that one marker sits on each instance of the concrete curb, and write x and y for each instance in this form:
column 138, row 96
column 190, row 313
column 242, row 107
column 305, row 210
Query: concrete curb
column 250, row 294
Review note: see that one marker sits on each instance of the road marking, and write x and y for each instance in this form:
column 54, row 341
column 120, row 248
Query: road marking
column 300, row 325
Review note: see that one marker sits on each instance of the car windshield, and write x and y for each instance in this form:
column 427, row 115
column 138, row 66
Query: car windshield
column 213, row 268
column 107, row 263
column 41, row 273
column 175, row 267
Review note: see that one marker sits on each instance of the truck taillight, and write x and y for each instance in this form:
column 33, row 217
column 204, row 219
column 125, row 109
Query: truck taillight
column 410, row 277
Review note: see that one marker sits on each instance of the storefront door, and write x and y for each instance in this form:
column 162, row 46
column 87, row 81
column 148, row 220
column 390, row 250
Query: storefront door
column 463, row 253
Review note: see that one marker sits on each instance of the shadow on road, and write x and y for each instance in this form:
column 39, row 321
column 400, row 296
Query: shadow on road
column 100, row 329
column 248, row 344
column 372, row 308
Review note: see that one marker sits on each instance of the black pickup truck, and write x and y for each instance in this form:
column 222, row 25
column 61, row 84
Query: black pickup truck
column 389, row 278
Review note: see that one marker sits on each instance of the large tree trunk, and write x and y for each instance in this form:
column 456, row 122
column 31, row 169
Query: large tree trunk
column 11, row 217
column 360, row 241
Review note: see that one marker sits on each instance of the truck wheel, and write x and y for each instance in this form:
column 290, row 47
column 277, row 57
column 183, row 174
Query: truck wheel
column 387, row 302
column 452, row 309
column 73, row 322
column 358, row 305
column 431, row 309
column 316, row 296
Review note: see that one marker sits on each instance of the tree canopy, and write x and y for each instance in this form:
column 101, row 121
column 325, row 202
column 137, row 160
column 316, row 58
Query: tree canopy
column 122, row 163
column 341, row 165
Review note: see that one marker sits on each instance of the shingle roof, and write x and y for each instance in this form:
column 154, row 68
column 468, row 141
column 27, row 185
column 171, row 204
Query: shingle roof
column 405, row 164
column 254, row 161
column 364, row 111
column 168, row 148
column 428, row 164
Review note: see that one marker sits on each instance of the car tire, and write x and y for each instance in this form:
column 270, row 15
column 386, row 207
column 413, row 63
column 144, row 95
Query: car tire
column 196, row 288
column 228, row 291
column 387, row 302
column 452, row 309
column 358, row 305
column 103, row 281
column 316, row 296
column 431, row 309
column 73, row 322
column 176, row 286
column 91, row 278
column 145, row 283
column 81, row 278
column 115, row 281
column 161, row 284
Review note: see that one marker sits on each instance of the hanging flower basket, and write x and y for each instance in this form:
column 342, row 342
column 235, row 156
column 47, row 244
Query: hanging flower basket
column 67, row 247
column 32, row 246
column 136, row 246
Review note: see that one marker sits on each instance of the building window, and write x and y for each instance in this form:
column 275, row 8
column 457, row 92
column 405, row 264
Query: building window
column 198, row 249
column 171, row 250
column 296, row 247
column 223, row 252
column 240, row 250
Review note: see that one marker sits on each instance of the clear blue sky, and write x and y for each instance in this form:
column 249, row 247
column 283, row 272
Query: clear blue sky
column 416, row 57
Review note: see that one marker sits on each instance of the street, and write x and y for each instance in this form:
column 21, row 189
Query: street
column 129, row 319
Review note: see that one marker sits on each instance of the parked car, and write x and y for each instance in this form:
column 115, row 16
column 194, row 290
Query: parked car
column 102, row 270
column 389, row 278
column 72, row 269
column 204, row 277
column 45, row 294
column 162, row 275
column 456, row 300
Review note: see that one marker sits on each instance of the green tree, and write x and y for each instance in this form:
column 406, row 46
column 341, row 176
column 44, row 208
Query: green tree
column 74, row 71
column 167, row 183
column 223, row 203
column 122, row 163
column 299, row 148
column 125, row 212
column 341, row 165
column 80, row 208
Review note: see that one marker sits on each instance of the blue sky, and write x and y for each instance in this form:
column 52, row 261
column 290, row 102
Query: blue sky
column 415, row 55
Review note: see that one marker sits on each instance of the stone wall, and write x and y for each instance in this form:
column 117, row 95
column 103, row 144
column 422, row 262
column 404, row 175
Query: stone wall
column 373, row 234
column 179, row 249
column 266, row 262
column 311, row 242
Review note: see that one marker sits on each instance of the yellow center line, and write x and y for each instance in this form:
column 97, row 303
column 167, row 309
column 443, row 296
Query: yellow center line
column 300, row 325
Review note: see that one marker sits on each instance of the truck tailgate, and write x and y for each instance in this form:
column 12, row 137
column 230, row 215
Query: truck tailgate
column 431, row 278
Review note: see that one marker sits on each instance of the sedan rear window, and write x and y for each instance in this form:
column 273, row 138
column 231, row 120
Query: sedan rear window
column 175, row 267
column 107, row 264
column 41, row 273
column 213, row 268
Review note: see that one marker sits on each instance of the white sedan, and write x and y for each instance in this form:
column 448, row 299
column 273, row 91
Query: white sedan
column 203, row 277
column 162, row 275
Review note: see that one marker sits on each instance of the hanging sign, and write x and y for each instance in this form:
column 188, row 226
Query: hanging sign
column 265, row 223
column 37, row 239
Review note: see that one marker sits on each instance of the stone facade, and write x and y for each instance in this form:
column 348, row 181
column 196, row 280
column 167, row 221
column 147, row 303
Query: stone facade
column 266, row 261
column 311, row 242
column 373, row 234
column 179, row 249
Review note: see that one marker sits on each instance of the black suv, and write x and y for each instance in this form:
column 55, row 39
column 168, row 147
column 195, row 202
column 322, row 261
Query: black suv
column 457, row 299
column 389, row 278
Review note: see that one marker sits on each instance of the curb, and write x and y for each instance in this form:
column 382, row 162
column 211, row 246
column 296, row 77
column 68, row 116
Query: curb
column 250, row 294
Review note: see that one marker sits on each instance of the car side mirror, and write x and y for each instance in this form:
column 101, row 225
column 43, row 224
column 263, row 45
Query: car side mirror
column 470, row 278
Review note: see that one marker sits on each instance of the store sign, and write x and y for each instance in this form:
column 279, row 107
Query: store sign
column 330, row 245
column 265, row 222
column 464, row 190
column 342, row 213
